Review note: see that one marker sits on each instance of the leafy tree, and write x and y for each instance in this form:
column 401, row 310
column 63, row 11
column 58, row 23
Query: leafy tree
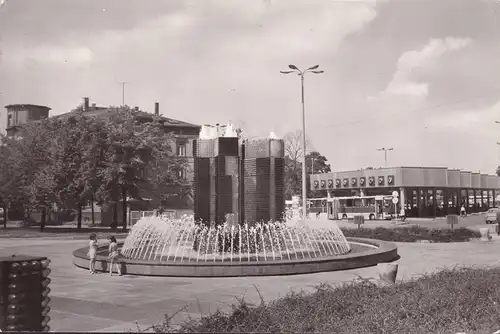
column 138, row 156
column 316, row 164
column 70, row 161
column 75, row 156
column 32, row 184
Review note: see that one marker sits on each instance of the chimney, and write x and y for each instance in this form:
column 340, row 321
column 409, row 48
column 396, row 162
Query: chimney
column 157, row 108
column 136, row 108
column 85, row 104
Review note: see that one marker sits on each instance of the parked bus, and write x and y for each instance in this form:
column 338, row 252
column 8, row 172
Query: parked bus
column 371, row 207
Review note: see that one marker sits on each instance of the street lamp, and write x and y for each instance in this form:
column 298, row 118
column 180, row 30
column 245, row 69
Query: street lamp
column 385, row 153
column 295, row 69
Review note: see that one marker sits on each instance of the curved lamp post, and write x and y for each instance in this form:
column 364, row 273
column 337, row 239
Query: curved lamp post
column 295, row 69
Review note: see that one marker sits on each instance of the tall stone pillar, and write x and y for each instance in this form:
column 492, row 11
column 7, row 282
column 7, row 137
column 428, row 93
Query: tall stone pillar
column 402, row 200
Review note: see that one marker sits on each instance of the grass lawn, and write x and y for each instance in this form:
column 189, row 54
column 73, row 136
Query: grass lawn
column 450, row 301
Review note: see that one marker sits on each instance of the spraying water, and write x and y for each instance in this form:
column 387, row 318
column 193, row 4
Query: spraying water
column 167, row 240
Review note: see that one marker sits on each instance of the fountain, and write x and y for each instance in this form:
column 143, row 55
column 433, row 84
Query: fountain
column 238, row 188
column 162, row 247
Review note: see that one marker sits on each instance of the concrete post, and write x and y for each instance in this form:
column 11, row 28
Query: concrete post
column 402, row 199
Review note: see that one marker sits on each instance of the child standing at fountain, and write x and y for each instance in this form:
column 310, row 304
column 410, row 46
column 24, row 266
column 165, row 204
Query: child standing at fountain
column 92, row 252
column 114, row 256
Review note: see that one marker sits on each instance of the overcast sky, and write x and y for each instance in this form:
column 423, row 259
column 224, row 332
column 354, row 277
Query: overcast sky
column 421, row 76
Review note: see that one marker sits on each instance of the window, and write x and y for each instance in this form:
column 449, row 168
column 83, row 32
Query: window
column 439, row 198
column 9, row 120
column 181, row 173
column 181, row 149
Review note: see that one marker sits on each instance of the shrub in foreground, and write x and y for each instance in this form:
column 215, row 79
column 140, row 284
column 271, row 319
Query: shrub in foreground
column 450, row 301
column 413, row 234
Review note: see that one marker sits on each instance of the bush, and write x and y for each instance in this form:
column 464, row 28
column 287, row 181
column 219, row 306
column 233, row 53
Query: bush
column 413, row 234
column 455, row 300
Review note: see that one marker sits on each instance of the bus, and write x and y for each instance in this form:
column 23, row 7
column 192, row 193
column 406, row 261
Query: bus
column 371, row 207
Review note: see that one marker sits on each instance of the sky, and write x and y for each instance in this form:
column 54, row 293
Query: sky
column 419, row 76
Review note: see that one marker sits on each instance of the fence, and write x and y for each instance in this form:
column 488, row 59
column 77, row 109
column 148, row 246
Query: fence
column 167, row 214
column 136, row 215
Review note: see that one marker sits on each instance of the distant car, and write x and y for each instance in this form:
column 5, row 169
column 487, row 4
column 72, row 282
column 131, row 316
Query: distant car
column 491, row 215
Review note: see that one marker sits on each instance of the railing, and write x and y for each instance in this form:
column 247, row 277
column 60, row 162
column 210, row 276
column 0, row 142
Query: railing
column 136, row 215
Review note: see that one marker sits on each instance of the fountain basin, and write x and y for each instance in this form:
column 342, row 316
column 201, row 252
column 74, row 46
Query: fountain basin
column 364, row 253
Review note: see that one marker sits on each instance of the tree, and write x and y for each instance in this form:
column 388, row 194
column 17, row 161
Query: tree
column 293, row 163
column 139, row 156
column 31, row 183
column 75, row 154
column 8, row 191
column 70, row 161
column 293, row 147
column 316, row 164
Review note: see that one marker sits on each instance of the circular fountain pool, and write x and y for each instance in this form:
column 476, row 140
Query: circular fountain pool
column 162, row 247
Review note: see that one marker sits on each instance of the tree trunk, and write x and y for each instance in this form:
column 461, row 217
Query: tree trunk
column 124, row 208
column 114, row 222
column 79, row 219
column 27, row 217
column 44, row 219
column 5, row 213
column 92, row 206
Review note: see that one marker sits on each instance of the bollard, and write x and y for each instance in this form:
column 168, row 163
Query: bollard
column 25, row 302
column 387, row 272
column 452, row 220
column 493, row 229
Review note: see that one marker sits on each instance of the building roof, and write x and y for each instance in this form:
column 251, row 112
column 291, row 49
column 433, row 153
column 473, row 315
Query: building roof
column 105, row 112
column 26, row 105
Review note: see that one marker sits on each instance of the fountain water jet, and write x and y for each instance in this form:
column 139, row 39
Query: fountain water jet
column 177, row 240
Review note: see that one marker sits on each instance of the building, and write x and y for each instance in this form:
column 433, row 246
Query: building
column 19, row 114
column 423, row 191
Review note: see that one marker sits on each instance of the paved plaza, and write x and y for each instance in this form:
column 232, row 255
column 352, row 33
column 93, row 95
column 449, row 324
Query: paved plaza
column 81, row 302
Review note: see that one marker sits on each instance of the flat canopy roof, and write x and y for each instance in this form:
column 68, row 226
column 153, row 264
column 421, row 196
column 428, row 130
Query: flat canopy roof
column 25, row 105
